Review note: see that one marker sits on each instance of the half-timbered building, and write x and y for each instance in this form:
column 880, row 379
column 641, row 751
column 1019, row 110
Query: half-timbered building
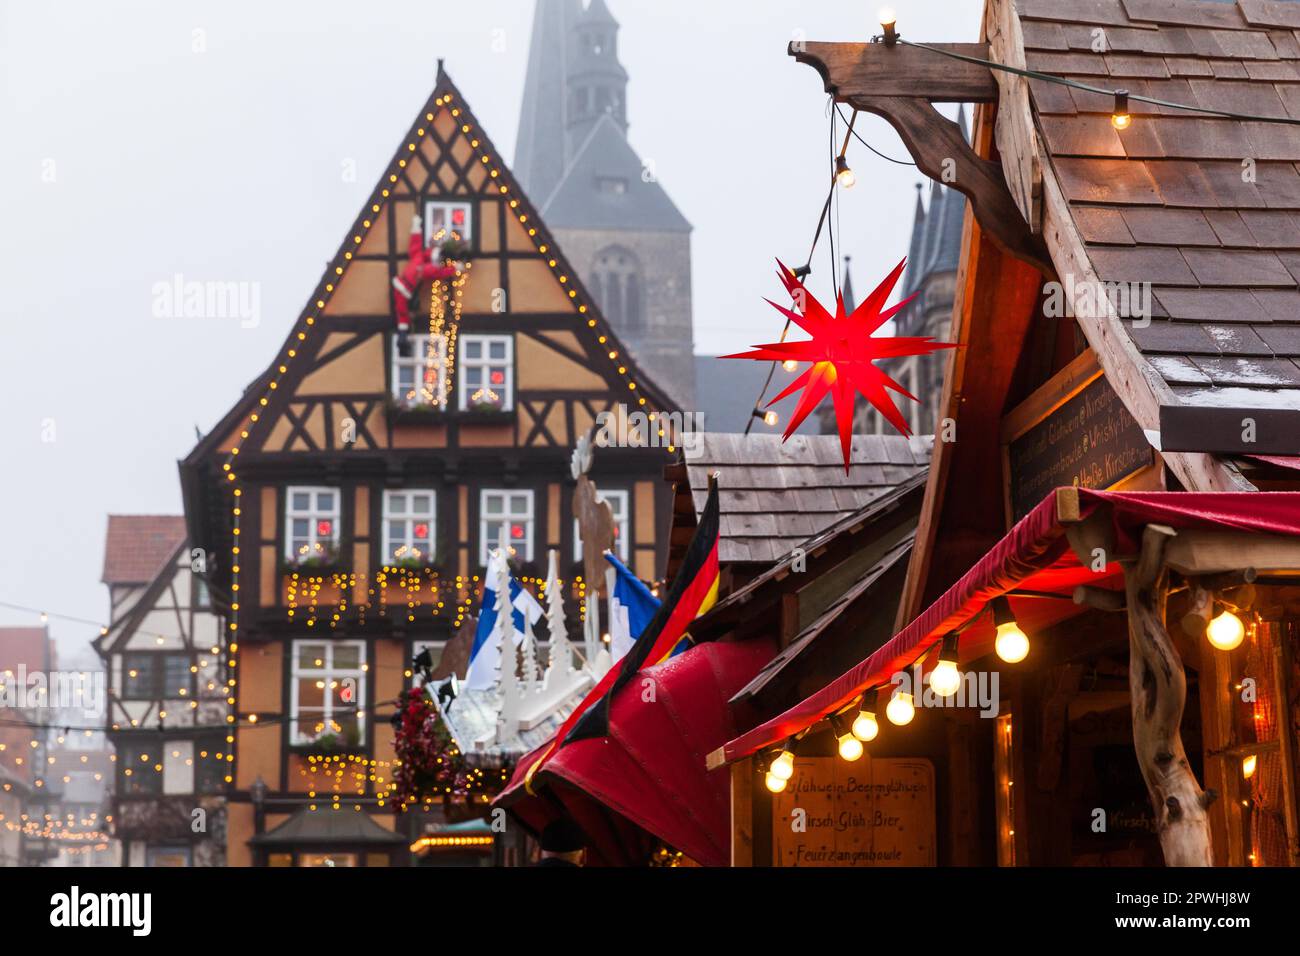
column 348, row 501
column 167, row 702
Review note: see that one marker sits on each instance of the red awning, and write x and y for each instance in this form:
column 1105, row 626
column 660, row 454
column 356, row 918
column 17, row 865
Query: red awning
column 1035, row 556
column 650, row 771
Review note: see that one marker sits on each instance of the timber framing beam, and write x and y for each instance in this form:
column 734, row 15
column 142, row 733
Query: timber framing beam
column 901, row 84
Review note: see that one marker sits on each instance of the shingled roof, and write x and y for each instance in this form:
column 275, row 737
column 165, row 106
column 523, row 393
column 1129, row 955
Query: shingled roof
column 137, row 545
column 1205, row 208
column 774, row 496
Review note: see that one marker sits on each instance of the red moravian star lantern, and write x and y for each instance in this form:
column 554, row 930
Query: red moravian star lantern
column 843, row 351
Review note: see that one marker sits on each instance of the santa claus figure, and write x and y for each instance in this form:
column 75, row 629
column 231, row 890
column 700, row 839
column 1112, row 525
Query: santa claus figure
column 423, row 264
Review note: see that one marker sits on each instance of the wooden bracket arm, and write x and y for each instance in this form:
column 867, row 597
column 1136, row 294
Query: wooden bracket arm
column 902, row 89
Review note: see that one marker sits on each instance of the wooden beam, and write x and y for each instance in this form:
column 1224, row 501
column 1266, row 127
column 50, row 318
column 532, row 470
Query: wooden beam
column 1197, row 552
column 1286, row 742
column 1015, row 132
column 855, row 70
column 1158, row 690
column 901, row 84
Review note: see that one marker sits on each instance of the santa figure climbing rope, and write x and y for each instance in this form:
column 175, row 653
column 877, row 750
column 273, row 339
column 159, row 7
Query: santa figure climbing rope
column 423, row 264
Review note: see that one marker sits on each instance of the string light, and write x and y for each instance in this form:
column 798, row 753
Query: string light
column 1120, row 117
column 1226, row 632
column 865, row 726
column 849, row 745
column 843, row 174
column 946, row 678
column 900, row 710
column 1011, row 643
column 889, row 23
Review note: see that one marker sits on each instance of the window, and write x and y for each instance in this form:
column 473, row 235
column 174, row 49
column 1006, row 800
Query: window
column 487, row 372
column 409, row 526
column 154, row 676
column 420, row 379
column 311, row 534
column 617, row 281
column 444, row 218
column 328, row 693
column 178, row 766
column 210, row 764
column 513, row 509
column 202, row 596
column 618, row 507
column 139, row 769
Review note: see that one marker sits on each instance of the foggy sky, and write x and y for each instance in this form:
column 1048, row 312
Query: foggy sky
column 148, row 139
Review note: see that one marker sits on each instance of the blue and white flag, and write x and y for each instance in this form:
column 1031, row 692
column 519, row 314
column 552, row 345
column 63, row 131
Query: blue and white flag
column 631, row 608
column 485, row 657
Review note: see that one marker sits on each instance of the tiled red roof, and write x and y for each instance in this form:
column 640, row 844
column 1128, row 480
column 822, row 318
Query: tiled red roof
column 29, row 646
column 1171, row 200
column 137, row 546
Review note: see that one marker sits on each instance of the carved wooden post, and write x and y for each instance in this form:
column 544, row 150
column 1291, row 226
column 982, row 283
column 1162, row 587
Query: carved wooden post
column 1158, row 688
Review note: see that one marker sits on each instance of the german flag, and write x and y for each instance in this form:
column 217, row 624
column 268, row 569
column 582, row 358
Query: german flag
column 694, row 591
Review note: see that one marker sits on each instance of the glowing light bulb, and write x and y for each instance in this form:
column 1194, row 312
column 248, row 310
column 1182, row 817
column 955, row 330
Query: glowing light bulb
column 900, row 709
column 843, row 174
column 774, row 783
column 945, row 679
column 850, row 747
column 770, row 418
column 865, row 726
column 887, row 17
column 1226, row 631
column 790, row 365
column 1011, row 643
column 1248, row 766
column 1120, row 117
column 783, row 765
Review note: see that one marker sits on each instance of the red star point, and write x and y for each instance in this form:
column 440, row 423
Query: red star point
column 843, row 351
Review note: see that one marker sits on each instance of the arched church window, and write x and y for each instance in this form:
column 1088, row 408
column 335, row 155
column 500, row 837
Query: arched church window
column 618, row 285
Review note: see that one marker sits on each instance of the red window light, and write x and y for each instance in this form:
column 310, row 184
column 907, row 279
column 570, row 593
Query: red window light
column 516, row 531
column 422, row 530
column 498, row 377
column 324, row 528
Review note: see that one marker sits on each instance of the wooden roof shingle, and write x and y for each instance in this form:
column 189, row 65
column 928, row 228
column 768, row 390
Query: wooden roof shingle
column 1205, row 208
column 776, row 495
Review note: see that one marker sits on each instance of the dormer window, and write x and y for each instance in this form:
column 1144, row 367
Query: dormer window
column 448, row 219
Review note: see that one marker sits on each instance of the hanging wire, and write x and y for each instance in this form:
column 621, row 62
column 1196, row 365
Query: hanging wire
column 858, row 137
column 1090, row 88
column 821, row 224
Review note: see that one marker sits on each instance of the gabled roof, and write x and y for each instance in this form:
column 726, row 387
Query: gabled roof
column 776, row 495
column 203, row 508
column 579, row 201
column 137, row 545
column 30, row 647
column 1170, row 200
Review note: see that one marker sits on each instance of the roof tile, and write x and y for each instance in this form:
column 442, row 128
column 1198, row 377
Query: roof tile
column 1279, row 305
column 1284, row 340
column 1270, row 13
column 1194, row 12
column 1237, row 267
column 1262, row 372
column 1228, row 226
column 1162, row 264
column 1177, row 338
column 1155, row 224
column 1212, row 305
column 1102, row 225
column 136, row 546
column 1239, row 339
column 1107, row 180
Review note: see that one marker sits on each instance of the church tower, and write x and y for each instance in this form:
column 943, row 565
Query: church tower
column 630, row 244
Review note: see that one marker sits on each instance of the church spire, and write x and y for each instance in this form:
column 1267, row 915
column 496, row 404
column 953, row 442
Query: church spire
column 541, row 153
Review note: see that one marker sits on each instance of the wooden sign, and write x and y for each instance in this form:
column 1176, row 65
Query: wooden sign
column 871, row 812
column 1073, row 431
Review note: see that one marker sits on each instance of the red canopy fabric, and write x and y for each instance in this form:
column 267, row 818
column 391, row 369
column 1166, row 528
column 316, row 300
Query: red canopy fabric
column 1034, row 556
column 650, row 771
